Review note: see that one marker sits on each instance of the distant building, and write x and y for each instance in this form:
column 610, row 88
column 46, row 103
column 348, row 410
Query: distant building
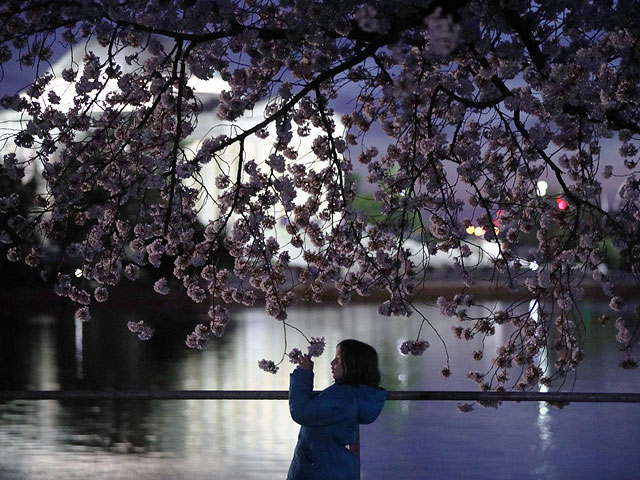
column 208, row 126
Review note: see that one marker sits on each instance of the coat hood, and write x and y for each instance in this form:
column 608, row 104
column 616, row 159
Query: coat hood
column 370, row 402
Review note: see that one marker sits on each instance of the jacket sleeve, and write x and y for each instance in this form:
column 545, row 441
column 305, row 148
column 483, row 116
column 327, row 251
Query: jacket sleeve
column 330, row 406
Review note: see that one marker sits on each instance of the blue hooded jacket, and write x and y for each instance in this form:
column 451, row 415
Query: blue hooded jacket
column 329, row 423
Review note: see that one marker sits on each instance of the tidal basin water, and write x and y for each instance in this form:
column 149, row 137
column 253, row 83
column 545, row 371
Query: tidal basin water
column 227, row 439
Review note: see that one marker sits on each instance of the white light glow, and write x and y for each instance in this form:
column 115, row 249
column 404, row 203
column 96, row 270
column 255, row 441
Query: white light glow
column 542, row 188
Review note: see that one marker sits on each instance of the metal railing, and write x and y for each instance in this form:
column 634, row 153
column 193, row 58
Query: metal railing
column 466, row 396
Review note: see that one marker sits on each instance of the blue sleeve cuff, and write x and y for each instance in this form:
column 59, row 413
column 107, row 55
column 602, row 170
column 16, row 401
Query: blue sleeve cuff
column 301, row 375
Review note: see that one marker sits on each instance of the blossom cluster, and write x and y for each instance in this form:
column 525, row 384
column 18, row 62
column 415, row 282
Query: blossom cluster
column 316, row 346
column 268, row 366
column 414, row 347
column 144, row 331
column 315, row 349
column 295, row 356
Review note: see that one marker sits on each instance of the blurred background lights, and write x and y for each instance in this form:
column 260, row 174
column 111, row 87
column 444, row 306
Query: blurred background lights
column 533, row 266
column 78, row 272
column 479, row 231
column 562, row 204
column 471, row 229
column 542, row 188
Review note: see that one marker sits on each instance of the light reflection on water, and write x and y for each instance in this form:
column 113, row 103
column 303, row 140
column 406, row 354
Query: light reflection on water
column 192, row 439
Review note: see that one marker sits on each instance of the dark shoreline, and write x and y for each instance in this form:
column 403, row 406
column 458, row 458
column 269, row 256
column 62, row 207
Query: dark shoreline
column 42, row 298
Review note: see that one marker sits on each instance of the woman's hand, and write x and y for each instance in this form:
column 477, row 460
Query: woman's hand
column 305, row 363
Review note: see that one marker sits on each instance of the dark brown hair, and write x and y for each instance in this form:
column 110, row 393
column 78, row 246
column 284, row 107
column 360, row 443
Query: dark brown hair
column 360, row 363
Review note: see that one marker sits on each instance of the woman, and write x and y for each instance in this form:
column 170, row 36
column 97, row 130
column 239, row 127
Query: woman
column 330, row 419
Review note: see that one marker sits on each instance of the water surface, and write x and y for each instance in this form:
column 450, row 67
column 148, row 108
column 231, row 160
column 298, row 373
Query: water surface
column 205, row 439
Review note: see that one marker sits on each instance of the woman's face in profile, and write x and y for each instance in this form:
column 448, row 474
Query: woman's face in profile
column 337, row 368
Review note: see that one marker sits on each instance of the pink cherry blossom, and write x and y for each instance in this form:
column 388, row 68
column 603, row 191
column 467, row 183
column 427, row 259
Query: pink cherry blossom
column 357, row 149
column 144, row 331
column 268, row 366
column 295, row 356
column 412, row 347
column 316, row 346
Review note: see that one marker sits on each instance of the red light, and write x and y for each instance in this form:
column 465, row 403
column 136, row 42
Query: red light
column 562, row 204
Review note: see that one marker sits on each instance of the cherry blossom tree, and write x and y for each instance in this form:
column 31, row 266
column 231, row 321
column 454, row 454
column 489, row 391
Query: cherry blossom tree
column 452, row 113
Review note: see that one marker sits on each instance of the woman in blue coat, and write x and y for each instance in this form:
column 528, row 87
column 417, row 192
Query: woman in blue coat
column 330, row 419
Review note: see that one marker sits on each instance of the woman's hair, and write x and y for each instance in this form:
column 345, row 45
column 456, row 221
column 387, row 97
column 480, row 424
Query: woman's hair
column 360, row 363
